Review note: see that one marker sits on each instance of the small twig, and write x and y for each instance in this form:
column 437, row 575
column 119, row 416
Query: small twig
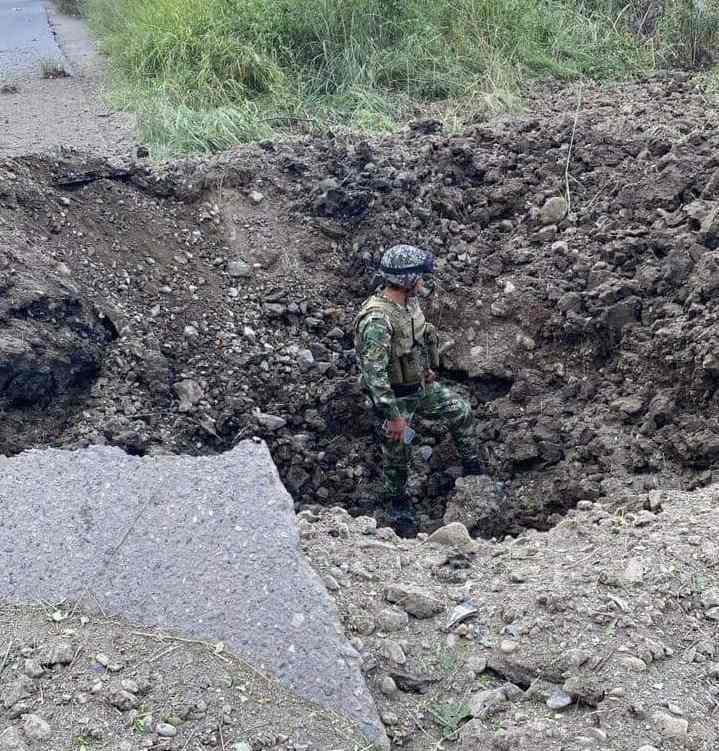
column 192, row 735
column 222, row 738
column 157, row 656
column 4, row 659
column 571, row 146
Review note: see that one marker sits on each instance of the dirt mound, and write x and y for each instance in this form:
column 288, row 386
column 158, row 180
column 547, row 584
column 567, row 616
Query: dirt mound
column 582, row 329
column 601, row 633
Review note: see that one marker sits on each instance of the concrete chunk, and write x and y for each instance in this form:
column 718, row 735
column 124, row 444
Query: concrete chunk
column 205, row 546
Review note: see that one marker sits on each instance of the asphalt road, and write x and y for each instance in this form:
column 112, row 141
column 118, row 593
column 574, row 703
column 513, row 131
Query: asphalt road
column 25, row 36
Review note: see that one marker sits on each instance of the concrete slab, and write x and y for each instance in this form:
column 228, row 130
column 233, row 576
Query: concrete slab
column 205, row 546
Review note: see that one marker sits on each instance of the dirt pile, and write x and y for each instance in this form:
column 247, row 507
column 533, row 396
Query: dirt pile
column 601, row 633
column 583, row 330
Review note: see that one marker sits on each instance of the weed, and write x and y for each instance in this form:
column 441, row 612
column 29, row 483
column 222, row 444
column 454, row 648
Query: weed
column 70, row 7
column 53, row 68
column 205, row 75
column 450, row 717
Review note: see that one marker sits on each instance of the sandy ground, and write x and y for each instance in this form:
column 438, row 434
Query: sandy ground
column 40, row 114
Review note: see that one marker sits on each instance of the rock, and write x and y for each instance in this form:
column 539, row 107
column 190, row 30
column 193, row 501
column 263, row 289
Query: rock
column 129, row 685
column 477, row 664
column 241, row 746
column 476, row 505
column 635, row 664
column 191, row 333
column 647, row 748
column 239, row 269
column 553, row 211
column 393, row 652
column 19, row 689
column 166, row 730
column 673, row 728
column 256, row 197
column 388, row 686
column 474, row 735
column 484, row 704
column 559, row 699
column 391, row 619
column 10, row 740
column 122, row 699
column 270, row 422
column 453, row 534
column 634, row 572
column 33, row 668
column 52, row 339
column 305, row 360
column 227, row 526
column 36, row 728
column 507, row 646
column 189, row 393
column 414, row 600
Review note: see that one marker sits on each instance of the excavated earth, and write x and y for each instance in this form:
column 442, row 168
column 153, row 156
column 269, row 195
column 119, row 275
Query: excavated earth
column 182, row 308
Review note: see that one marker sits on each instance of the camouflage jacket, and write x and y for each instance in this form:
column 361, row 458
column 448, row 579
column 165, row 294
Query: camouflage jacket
column 395, row 346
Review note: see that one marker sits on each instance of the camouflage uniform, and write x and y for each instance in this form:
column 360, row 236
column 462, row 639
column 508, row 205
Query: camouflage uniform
column 395, row 347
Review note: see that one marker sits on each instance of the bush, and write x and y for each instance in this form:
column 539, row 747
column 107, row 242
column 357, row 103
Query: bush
column 227, row 66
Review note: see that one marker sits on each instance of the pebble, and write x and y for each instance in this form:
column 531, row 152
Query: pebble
column 238, row 269
column 393, row 652
column 10, row 740
column 414, row 600
column 634, row 572
column 671, row 727
column 123, row 700
column 33, row 668
column 635, row 664
column 508, row 646
column 330, row 583
column 256, row 197
column 36, row 728
column 388, row 686
column 559, row 699
column 131, row 686
column 453, row 534
column 391, row 619
column 62, row 653
column 166, row 730
column 477, row 664
column 19, row 689
column 390, row 718
column 647, row 748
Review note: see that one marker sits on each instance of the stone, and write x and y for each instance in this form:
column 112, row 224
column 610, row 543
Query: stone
column 10, row 740
column 674, row 728
column 414, row 600
column 454, row 534
column 166, row 730
column 36, row 728
column 484, row 704
column 218, row 532
column 647, row 748
column 33, row 668
column 305, row 360
column 122, row 699
column 393, row 652
column 635, row 664
column 19, row 689
column 559, row 699
column 553, row 211
column 388, row 686
column 508, row 646
column 477, row 664
column 239, row 269
column 272, row 423
column 634, row 572
column 391, row 619
column 241, row 746
column 256, row 197
column 61, row 653
column 189, row 393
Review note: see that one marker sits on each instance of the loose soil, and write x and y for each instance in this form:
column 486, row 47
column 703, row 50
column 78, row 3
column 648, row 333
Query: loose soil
column 181, row 308
column 585, row 338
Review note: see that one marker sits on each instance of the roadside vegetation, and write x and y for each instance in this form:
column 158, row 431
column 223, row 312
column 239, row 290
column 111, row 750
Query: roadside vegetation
column 205, row 75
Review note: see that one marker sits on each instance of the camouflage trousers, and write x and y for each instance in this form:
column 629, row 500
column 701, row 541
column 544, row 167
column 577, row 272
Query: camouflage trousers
column 433, row 402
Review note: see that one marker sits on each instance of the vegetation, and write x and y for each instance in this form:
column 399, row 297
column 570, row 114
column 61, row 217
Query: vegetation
column 204, row 75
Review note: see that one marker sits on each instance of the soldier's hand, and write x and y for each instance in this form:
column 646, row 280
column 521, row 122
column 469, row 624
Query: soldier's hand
column 396, row 428
column 430, row 376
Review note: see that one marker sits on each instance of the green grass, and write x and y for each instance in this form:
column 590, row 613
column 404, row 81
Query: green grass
column 205, row 75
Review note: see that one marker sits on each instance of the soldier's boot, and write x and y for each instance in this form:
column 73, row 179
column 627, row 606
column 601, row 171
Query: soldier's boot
column 402, row 516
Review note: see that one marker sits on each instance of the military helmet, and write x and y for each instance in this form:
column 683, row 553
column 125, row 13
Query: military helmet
column 404, row 265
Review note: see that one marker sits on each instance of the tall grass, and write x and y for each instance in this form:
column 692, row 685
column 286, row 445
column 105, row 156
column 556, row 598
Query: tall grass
column 204, row 74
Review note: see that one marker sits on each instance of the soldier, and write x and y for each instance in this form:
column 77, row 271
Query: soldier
column 398, row 355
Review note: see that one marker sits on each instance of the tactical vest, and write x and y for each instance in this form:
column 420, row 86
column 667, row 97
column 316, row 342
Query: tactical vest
column 414, row 341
